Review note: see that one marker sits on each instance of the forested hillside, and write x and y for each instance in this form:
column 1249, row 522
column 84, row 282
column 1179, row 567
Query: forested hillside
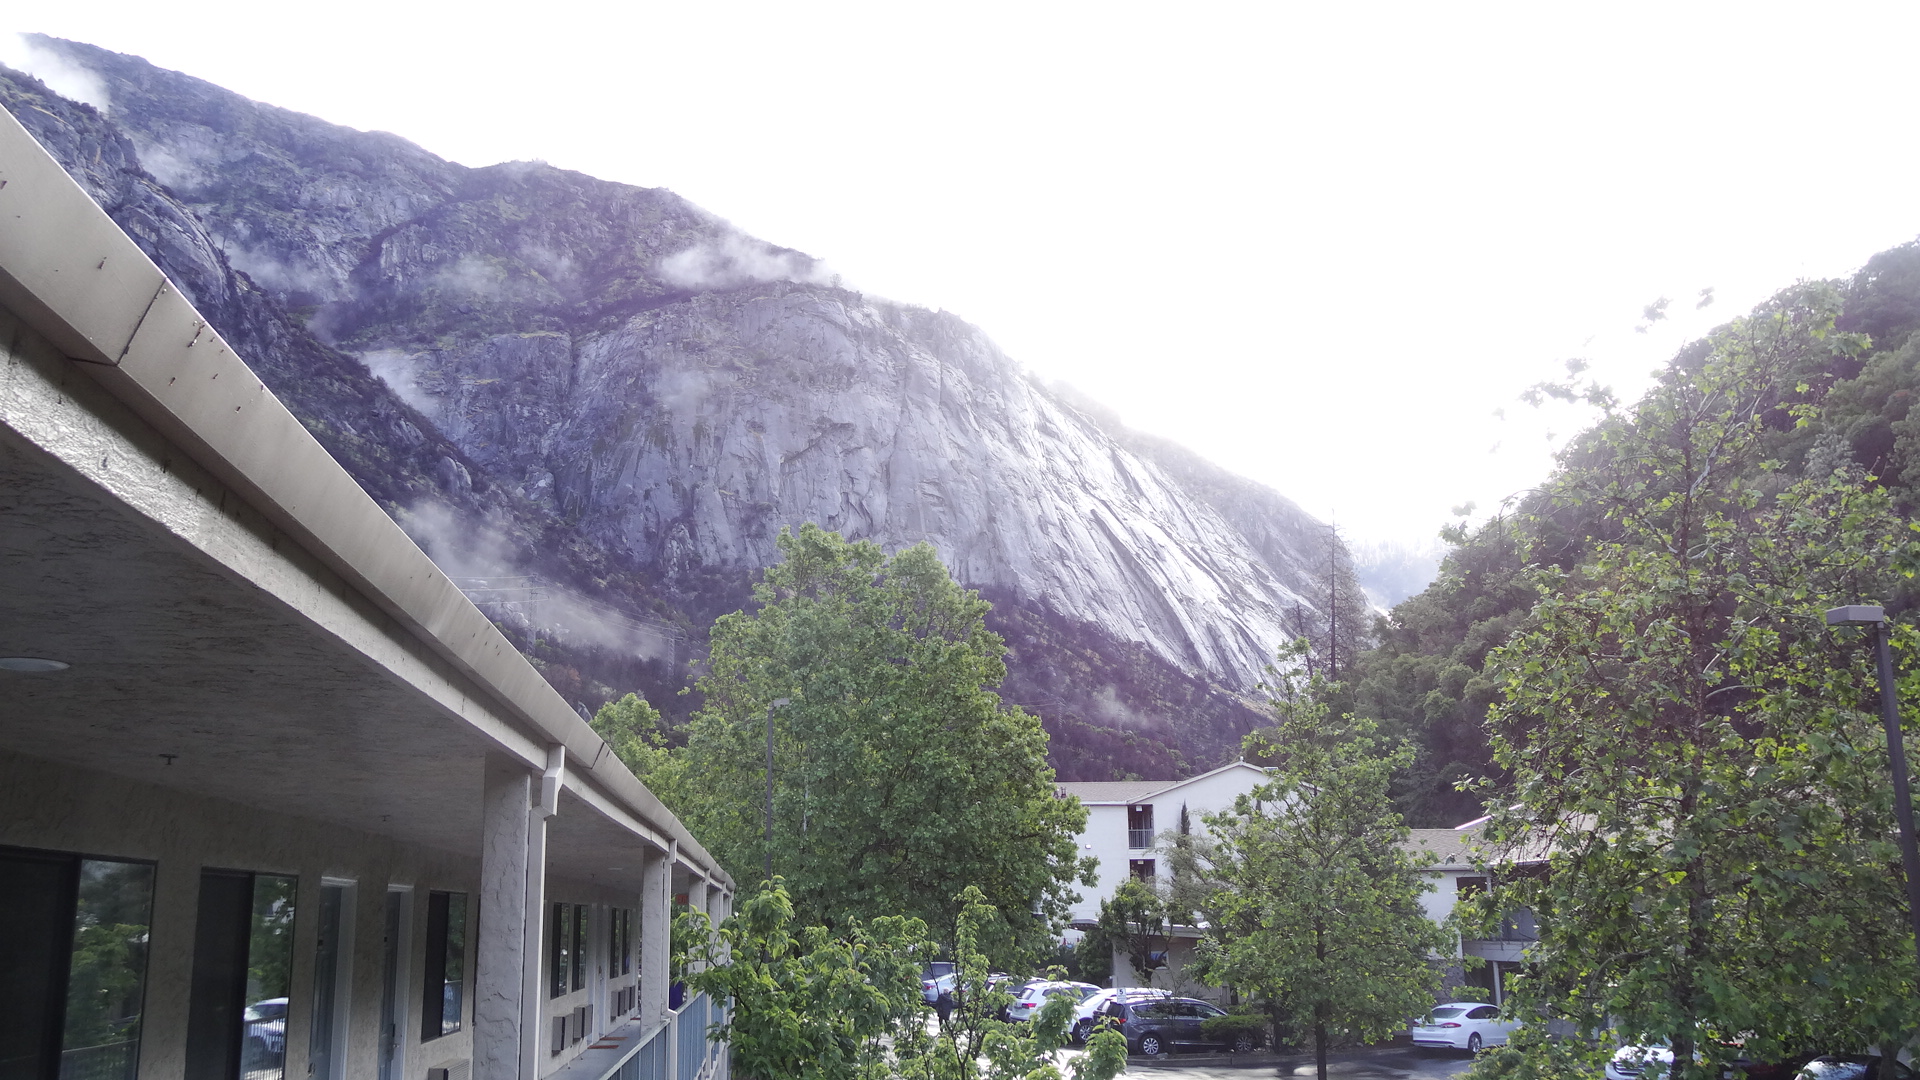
column 1426, row 678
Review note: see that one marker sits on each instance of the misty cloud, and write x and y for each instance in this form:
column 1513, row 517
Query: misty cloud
column 482, row 561
column 62, row 76
column 474, row 276
column 395, row 367
column 272, row 273
column 741, row 260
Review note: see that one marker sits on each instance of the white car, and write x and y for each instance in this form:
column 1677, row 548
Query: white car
column 1635, row 1062
column 1033, row 995
column 1464, row 1025
column 265, row 1038
column 1084, row 1013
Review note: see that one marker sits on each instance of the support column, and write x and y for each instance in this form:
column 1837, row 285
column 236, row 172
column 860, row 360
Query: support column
column 533, row 1001
column 501, row 963
column 656, row 943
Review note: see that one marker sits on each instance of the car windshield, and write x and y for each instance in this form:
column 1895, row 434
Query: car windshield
column 1447, row 1013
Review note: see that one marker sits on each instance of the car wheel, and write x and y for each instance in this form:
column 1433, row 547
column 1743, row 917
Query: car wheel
column 1473, row 1043
column 1150, row 1045
column 1243, row 1043
column 1082, row 1031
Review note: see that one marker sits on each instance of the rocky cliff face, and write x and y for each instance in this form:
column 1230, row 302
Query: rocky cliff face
column 615, row 367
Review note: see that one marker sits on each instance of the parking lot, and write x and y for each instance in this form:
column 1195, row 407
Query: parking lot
column 1375, row 1063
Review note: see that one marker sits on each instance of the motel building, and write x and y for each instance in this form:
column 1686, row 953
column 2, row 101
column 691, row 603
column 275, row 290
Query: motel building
column 276, row 801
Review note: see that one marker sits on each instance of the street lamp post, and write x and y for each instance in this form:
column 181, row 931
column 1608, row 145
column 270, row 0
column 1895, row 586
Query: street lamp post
column 768, row 845
column 1869, row 615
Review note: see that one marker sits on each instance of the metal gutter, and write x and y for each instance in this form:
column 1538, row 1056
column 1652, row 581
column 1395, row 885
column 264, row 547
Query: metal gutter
column 72, row 275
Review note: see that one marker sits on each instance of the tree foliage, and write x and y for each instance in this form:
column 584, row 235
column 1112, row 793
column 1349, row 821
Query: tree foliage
column 811, row 1003
column 899, row 777
column 1135, row 918
column 1694, row 755
column 1427, row 679
column 1319, row 902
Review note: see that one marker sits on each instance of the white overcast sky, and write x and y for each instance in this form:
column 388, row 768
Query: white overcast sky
column 1323, row 244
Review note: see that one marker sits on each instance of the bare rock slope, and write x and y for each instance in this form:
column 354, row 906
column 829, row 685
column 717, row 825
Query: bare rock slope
column 611, row 367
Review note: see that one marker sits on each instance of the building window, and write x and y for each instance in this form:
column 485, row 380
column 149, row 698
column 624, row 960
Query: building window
column 579, row 946
column 76, row 931
column 1139, row 827
column 242, row 973
column 443, row 1003
column 620, row 941
column 567, row 958
column 1141, row 869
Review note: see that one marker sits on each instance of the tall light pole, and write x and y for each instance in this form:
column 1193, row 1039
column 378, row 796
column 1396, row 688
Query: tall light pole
column 776, row 703
column 1869, row 615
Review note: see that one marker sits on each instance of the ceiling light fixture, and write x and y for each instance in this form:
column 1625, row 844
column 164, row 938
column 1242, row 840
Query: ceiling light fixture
column 27, row 665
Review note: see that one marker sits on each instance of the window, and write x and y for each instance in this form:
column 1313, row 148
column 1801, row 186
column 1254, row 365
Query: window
column 77, row 931
column 1140, row 868
column 567, row 959
column 619, row 942
column 242, row 975
column 1139, row 827
column 332, row 961
column 579, row 946
column 443, row 1003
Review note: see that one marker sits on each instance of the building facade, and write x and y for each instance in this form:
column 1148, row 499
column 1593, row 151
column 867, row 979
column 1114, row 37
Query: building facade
column 1125, row 822
column 1448, row 857
column 276, row 800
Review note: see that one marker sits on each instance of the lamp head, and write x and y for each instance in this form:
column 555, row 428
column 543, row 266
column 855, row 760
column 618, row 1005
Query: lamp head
column 1856, row 615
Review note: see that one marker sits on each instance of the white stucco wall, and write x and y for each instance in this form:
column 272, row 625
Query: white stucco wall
column 1105, row 837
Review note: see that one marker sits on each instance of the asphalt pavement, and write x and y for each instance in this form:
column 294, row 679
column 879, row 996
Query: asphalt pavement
column 1373, row 1063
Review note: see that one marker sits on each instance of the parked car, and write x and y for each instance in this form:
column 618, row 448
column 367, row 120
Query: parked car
column 1651, row 1061
column 932, row 986
column 1089, row 1008
column 1168, row 1025
column 1849, row 1067
column 1463, row 1025
column 265, row 1037
column 1031, row 996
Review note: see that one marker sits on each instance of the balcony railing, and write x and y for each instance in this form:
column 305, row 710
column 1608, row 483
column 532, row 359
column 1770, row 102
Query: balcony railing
column 1139, row 839
column 678, row 1050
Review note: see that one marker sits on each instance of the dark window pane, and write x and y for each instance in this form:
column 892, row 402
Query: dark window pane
column 263, row 1045
column 36, row 926
column 444, row 997
column 453, row 994
column 218, row 994
column 107, row 971
column 579, row 946
column 326, row 981
column 560, row 957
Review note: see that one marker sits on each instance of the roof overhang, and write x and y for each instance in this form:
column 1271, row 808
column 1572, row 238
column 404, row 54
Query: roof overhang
column 232, row 597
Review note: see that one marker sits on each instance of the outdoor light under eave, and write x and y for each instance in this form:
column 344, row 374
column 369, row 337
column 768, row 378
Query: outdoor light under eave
column 31, row 665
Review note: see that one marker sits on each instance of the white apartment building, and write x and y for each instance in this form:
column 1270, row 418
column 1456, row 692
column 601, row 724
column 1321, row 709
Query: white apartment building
column 1125, row 818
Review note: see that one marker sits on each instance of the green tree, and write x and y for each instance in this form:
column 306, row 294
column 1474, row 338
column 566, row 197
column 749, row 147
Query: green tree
column 633, row 731
column 1135, row 917
column 816, row 1004
column 900, row 777
column 1321, row 902
column 1692, row 751
column 808, row 1003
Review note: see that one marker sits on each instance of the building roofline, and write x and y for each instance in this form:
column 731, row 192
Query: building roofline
column 72, row 275
column 1159, row 791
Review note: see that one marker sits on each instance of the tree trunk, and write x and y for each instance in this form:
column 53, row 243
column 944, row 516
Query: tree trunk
column 1320, row 1040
